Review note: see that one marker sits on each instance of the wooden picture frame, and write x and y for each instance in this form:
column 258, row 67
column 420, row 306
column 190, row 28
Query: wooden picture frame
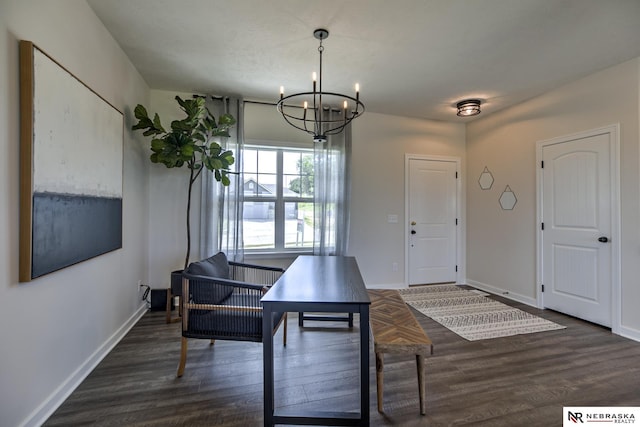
column 71, row 168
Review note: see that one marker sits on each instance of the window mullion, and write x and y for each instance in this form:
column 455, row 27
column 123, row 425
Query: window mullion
column 279, row 208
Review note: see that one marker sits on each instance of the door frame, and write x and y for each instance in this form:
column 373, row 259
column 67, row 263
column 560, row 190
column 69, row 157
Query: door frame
column 614, row 160
column 460, row 229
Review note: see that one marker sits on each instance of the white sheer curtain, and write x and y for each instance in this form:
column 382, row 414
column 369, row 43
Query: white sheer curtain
column 332, row 186
column 221, row 207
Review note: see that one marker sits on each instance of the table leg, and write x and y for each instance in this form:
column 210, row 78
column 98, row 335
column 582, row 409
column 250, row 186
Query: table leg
column 421, row 383
column 267, row 358
column 364, row 364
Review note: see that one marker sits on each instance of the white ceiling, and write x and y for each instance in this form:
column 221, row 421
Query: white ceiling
column 413, row 58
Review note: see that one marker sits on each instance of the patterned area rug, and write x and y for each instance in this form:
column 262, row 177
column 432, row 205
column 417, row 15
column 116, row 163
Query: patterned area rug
column 473, row 316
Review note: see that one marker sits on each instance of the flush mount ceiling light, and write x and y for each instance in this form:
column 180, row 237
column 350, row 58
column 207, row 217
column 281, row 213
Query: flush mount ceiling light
column 320, row 113
column 468, row 107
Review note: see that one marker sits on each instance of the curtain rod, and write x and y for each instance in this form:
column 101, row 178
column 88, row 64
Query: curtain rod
column 248, row 101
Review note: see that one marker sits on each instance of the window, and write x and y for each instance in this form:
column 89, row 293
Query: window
column 278, row 199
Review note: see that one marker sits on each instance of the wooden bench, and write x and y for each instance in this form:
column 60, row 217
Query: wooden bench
column 396, row 330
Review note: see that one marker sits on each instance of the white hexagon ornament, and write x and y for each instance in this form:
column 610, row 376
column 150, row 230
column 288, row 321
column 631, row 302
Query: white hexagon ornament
column 508, row 199
column 486, row 179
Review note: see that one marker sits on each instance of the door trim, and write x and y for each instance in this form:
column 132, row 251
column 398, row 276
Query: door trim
column 614, row 132
column 460, row 229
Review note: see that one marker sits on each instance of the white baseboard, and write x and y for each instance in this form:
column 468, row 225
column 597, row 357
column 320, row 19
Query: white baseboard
column 48, row 407
column 631, row 333
column 396, row 285
column 503, row 293
column 387, row 286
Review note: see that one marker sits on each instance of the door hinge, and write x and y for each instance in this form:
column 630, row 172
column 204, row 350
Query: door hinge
column 542, row 164
column 542, row 224
column 456, row 221
column 456, row 175
column 456, row 268
column 542, row 288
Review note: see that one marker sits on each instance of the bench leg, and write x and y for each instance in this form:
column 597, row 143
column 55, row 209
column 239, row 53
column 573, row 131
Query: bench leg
column 183, row 357
column 421, row 383
column 379, row 379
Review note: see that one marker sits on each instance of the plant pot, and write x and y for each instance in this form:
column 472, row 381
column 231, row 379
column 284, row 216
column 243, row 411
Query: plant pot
column 176, row 283
column 175, row 291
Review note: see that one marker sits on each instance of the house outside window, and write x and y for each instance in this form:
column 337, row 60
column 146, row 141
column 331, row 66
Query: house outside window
column 278, row 199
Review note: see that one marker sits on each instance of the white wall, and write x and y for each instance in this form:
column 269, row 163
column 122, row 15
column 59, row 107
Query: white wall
column 264, row 122
column 380, row 143
column 56, row 328
column 501, row 244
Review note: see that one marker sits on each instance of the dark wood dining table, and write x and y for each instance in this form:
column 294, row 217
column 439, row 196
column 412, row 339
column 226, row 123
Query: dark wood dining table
column 330, row 284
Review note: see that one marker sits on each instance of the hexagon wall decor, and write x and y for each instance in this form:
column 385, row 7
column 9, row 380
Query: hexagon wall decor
column 508, row 199
column 486, row 179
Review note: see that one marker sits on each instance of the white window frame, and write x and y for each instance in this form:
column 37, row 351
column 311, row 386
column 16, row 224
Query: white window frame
column 279, row 201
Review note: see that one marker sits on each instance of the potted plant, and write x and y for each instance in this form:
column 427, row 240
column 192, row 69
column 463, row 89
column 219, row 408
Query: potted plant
column 189, row 142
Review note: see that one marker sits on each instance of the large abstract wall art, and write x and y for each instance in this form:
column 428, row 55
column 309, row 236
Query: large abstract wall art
column 71, row 168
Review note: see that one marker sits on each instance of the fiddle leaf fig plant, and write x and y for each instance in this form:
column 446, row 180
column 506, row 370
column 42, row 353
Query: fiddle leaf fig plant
column 190, row 142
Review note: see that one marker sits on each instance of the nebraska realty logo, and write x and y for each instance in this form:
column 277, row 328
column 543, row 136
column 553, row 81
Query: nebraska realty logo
column 599, row 414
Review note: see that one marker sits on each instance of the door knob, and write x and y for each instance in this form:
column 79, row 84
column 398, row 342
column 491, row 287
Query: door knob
column 603, row 239
column 413, row 231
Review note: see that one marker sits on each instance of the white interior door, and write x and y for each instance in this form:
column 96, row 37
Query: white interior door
column 432, row 221
column 576, row 213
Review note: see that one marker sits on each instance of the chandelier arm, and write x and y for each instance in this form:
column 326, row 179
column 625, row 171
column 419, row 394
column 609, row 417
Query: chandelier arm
column 296, row 126
column 292, row 97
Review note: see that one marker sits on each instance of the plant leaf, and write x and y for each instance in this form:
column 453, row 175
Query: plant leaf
column 220, row 133
column 158, row 145
column 226, row 120
column 140, row 112
column 157, row 124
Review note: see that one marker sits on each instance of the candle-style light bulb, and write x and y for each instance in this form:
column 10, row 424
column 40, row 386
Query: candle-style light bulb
column 306, row 104
column 281, row 92
column 345, row 104
column 314, row 77
column 357, row 93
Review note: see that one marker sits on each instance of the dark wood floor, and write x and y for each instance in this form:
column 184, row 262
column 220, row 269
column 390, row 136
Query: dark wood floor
column 515, row 381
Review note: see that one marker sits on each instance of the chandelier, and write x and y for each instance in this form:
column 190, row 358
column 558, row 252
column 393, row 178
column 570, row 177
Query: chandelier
column 320, row 113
